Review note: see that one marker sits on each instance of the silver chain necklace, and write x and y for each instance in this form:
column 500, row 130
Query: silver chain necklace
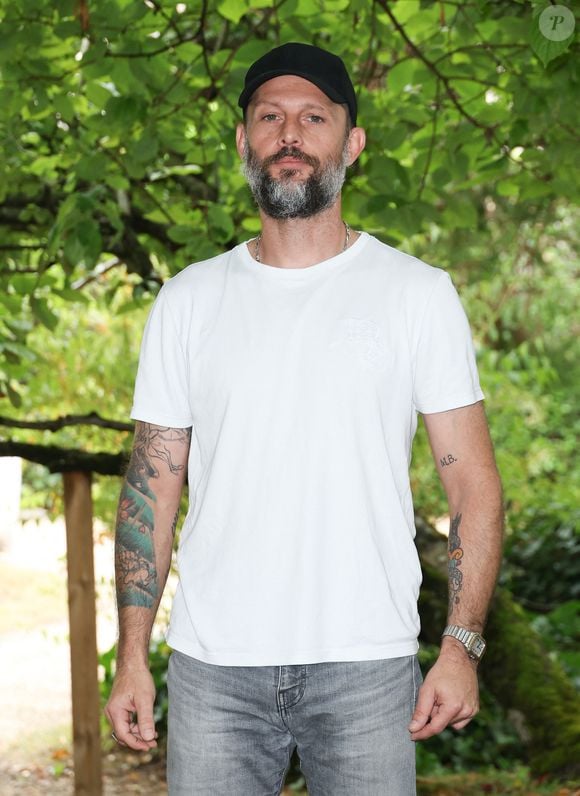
column 344, row 248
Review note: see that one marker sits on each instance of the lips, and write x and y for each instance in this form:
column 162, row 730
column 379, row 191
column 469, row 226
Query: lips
column 289, row 156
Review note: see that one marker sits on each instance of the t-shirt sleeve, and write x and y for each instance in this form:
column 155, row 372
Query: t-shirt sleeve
column 445, row 375
column 161, row 393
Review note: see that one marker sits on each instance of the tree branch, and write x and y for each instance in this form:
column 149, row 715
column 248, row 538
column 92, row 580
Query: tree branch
column 489, row 130
column 436, row 109
column 92, row 419
column 63, row 460
column 166, row 48
column 431, row 66
column 20, row 247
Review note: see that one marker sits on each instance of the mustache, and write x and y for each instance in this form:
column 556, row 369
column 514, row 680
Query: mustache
column 291, row 152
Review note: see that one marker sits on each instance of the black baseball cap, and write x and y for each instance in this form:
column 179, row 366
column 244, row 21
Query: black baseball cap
column 325, row 70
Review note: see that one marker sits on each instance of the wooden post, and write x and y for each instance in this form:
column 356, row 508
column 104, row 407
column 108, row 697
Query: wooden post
column 83, row 634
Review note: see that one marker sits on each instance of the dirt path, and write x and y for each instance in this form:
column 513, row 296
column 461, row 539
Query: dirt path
column 35, row 714
column 35, row 746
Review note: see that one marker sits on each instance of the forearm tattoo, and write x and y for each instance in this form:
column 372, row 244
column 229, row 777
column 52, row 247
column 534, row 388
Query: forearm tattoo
column 136, row 571
column 455, row 557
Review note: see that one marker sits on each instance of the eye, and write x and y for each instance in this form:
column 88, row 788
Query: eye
column 269, row 117
column 315, row 119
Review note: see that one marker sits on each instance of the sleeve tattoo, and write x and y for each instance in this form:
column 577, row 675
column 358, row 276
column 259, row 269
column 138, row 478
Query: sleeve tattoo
column 455, row 556
column 136, row 571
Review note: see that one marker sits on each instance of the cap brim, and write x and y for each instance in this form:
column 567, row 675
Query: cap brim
column 255, row 84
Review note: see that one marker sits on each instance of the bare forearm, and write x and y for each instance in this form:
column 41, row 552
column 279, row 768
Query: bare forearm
column 146, row 520
column 474, row 552
column 464, row 457
column 138, row 604
column 142, row 559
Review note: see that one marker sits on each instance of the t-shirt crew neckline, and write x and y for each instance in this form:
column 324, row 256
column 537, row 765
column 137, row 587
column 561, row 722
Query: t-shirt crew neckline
column 301, row 274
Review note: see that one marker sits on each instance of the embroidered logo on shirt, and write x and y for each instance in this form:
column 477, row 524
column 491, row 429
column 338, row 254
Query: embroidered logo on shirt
column 362, row 337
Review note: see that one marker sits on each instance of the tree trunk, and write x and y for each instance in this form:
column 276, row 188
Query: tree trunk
column 516, row 669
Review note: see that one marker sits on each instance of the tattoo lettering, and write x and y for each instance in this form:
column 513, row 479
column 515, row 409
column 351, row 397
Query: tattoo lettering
column 455, row 556
column 136, row 570
column 447, row 460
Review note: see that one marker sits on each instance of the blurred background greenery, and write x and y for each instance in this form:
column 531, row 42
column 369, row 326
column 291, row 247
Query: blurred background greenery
column 118, row 169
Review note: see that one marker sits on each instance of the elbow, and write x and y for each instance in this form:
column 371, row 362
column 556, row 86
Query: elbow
column 484, row 493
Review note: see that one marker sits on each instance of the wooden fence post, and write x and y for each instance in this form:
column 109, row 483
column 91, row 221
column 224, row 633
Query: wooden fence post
column 83, row 633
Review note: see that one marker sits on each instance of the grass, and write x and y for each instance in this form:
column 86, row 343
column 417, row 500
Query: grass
column 518, row 783
column 30, row 599
column 514, row 783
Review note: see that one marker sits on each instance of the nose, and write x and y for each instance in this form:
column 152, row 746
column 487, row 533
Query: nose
column 289, row 134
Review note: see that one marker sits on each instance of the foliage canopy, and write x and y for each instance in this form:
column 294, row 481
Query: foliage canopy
column 117, row 118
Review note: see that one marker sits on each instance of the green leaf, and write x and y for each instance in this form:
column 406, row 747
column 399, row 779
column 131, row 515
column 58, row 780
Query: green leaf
column 405, row 11
column 99, row 93
column 18, row 350
column 13, row 396
column 73, row 296
column 124, row 111
column 43, row 313
column 507, row 188
column 92, row 167
column 252, row 224
column 548, row 31
column 220, row 222
column 233, row 10
column 401, row 76
column 23, row 284
column 63, row 105
column 83, row 243
column 117, row 181
column 180, row 233
column 460, row 213
column 145, row 148
column 307, row 8
column 547, row 50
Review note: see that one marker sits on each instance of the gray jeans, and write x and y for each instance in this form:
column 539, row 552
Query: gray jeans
column 232, row 729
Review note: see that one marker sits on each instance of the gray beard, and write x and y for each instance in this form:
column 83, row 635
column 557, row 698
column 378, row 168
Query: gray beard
column 282, row 198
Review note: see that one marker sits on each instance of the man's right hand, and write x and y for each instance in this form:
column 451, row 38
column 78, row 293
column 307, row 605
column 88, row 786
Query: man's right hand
column 130, row 709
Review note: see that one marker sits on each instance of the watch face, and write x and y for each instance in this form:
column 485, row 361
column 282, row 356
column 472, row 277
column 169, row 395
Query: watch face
column 477, row 647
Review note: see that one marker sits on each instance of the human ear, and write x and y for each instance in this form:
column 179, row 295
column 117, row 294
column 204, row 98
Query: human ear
column 356, row 143
column 241, row 139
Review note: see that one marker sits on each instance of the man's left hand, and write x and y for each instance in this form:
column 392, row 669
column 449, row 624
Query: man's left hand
column 448, row 697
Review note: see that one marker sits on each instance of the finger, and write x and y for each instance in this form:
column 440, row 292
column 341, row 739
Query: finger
column 134, row 730
column 120, row 719
column 145, row 722
column 439, row 720
column 462, row 722
column 135, row 743
column 124, row 737
column 116, row 739
column 133, row 740
column 423, row 709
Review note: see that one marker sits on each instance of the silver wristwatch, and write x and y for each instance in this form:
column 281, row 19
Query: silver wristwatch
column 473, row 642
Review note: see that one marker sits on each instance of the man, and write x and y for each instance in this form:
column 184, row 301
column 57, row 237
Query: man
column 285, row 377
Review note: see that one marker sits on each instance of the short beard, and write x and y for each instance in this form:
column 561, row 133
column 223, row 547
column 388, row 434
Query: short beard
column 283, row 199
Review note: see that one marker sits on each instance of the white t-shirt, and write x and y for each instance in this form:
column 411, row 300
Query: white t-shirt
column 302, row 386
